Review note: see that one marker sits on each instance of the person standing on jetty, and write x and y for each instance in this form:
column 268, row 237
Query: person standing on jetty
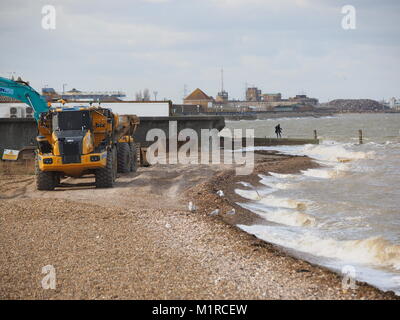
column 278, row 131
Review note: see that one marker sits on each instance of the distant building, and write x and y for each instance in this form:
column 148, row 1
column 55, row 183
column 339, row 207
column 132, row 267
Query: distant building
column 285, row 108
column 222, row 97
column 198, row 97
column 50, row 94
column 186, row 109
column 303, row 99
column 74, row 94
column 294, row 107
column 253, row 94
column 392, row 103
column 272, row 97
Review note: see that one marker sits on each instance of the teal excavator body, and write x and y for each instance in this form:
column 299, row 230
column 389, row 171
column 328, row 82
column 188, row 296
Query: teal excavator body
column 23, row 92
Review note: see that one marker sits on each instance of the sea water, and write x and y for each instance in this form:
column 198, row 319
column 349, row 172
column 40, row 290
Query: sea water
column 347, row 211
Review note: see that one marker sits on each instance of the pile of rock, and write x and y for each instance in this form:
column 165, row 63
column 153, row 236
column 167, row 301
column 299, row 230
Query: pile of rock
column 355, row 105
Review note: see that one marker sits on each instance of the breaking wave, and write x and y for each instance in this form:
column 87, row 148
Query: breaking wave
column 282, row 216
column 281, row 176
column 274, row 182
column 248, row 194
column 334, row 153
column 275, row 202
column 376, row 251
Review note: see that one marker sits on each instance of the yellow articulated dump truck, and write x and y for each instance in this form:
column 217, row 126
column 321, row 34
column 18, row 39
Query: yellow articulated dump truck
column 76, row 141
column 73, row 142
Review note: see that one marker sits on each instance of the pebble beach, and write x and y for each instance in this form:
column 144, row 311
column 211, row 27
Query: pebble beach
column 140, row 240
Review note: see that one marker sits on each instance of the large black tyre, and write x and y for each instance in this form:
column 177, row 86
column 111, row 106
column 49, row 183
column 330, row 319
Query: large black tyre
column 45, row 180
column 57, row 179
column 124, row 156
column 105, row 177
column 134, row 158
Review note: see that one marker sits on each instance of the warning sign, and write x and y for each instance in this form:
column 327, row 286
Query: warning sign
column 9, row 154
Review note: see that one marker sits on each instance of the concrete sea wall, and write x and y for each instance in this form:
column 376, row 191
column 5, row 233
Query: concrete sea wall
column 19, row 133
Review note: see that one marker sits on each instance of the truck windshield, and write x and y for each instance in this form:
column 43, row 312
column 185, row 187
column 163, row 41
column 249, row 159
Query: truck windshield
column 71, row 120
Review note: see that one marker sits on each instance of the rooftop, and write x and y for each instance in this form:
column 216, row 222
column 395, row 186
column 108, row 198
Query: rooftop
column 198, row 95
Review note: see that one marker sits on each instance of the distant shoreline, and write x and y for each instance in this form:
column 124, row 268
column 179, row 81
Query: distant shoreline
column 279, row 115
column 276, row 115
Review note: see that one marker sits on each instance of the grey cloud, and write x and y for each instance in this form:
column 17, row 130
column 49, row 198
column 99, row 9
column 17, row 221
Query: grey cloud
column 286, row 46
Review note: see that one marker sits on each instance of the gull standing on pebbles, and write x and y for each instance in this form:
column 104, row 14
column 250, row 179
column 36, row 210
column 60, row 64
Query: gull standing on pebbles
column 192, row 207
column 214, row 213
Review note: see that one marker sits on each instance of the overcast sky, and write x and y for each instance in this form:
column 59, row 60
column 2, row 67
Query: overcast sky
column 287, row 46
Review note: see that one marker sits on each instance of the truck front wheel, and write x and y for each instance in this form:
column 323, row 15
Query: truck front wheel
column 45, row 180
column 105, row 177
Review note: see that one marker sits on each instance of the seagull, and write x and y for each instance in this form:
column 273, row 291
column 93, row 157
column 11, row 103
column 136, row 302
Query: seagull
column 220, row 193
column 214, row 213
column 192, row 207
column 248, row 185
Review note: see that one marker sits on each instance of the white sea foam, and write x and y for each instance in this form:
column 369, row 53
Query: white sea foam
column 282, row 216
column 274, row 182
column 335, row 153
column 275, row 202
column 324, row 152
column 277, row 185
column 324, row 173
column 248, row 194
column 374, row 251
column 281, row 175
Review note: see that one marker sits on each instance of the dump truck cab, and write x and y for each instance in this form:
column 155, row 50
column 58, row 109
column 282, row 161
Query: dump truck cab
column 67, row 145
column 72, row 131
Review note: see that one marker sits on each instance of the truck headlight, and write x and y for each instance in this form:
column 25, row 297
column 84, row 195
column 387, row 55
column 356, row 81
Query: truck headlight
column 94, row 158
column 47, row 160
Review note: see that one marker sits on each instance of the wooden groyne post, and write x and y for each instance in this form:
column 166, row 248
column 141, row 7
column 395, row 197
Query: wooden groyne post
column 315, row 135
column 360, row 136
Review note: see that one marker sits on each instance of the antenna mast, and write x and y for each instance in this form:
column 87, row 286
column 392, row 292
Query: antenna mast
column 222, row 79
column 185, row 91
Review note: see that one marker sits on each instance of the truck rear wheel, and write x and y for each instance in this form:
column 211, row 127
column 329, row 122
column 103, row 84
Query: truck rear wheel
column 105, row 177
column 124, row 156
column 134, row 158
column 45, row 180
